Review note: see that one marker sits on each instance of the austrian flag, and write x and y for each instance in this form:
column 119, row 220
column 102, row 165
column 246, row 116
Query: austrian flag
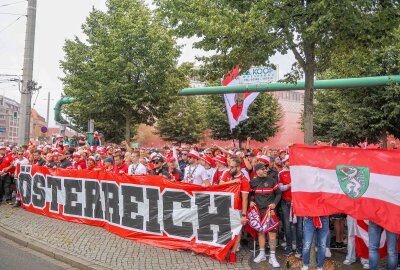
column 236, row 104
column 363, row 183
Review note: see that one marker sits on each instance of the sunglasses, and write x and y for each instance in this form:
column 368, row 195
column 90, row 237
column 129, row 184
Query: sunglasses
column 232, row 167
column 208, row 153
column 20, row 154
column 190, row 157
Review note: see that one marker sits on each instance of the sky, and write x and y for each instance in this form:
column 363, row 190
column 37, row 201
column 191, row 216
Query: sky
column 56, row 21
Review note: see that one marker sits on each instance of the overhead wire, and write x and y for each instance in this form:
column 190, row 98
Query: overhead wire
column 5, row 28
column 10, row 4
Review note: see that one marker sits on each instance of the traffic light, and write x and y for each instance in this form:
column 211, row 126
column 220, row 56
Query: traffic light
column 15, row 116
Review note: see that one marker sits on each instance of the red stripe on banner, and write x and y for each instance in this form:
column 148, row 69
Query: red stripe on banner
column 231, row 76
column 380, row 161
column 381, row 212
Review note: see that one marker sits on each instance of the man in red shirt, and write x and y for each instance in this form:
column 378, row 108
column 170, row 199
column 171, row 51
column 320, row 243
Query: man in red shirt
column 6, row 174
column 289, row 219
column 120, row 166
column 235, row 175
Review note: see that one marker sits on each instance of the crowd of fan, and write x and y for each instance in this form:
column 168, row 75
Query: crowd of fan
column 263, row 174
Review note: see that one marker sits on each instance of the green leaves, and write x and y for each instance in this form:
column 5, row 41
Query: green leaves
column 125, row 72
column 264, row 114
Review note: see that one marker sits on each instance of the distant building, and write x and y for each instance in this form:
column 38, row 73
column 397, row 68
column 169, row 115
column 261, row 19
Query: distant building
column 37, row 122
column 9, row 119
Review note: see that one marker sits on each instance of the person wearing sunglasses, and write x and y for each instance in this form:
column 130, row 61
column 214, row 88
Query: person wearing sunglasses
column 195, row 173
column 160, row 168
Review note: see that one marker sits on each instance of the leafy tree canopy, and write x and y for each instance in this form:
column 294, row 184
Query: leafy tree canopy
column 125, row 72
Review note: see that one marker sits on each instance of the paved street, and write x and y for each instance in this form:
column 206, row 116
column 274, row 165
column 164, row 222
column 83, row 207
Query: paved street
column 97, row 246
column 14, row 256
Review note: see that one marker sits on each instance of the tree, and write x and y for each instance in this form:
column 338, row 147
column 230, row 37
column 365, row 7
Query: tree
column 352, row 115
column 249, row 32
column 184, row 122
column 125, row 72
column 264, row 114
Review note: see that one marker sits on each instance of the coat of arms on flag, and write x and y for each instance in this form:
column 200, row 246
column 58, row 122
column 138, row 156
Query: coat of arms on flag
column 353, row 180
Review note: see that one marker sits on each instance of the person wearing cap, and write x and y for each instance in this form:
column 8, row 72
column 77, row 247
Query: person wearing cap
column 183, row 162
column 235, row 175
column 221, row 168
column 266, row 195
column 173, row 170
column 292, row 225
column 91, row 163
column 108, row 165
column 136, row 168
column 207, row 161
column 119, row 165
column 195, row 173
column 63, row 163
column 160, row 168
column 78, row 163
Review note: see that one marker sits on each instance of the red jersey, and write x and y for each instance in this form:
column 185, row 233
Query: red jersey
column 284, row 178
column 244, row 183
column 7, row 161
column 123, row 168
column 81, row 163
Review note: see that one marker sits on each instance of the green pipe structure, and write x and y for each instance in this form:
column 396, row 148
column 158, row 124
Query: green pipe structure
column 318, row 84
column 57, row 109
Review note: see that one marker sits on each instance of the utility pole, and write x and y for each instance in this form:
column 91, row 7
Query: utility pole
column 48, row 109
column 27, row 84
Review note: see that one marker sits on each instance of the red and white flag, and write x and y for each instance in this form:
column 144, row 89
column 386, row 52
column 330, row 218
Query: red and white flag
column 362, row 240
column 236, row 104
column 363, row 183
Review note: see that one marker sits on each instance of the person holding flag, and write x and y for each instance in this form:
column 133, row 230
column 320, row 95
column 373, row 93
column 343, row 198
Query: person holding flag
column 265, row 195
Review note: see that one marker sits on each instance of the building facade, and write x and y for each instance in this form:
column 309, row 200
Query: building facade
column 9, row 120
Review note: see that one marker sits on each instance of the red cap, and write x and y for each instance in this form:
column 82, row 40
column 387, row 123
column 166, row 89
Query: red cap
column 206, row 159
column 265, row 159
column 194, row 154
column 60, row 153
column 171, row 159
column 221, row 159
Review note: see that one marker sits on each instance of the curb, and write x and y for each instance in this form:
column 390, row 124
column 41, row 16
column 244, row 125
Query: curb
column 51, row 252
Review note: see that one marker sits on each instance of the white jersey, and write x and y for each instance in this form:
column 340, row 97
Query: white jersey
column 195, row 174
column 137, row 169
column 24, row 161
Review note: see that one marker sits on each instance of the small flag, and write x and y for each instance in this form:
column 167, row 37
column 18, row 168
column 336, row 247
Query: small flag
column 236, row 104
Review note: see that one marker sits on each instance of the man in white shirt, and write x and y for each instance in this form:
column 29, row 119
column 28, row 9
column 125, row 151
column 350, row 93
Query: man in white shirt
column 195, row 173
column 136, row 168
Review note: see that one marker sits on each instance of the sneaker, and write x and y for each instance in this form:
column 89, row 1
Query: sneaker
column 294, row 246
column 283, row 244
column 298, row 255
column 232, row 257
column 366, row 266
column 272, row 261
column 328, row 253
column 287, row 252
column 9, row 202
column 260, row 258
column 238, row 248
column 319, row 268
column 336, row 245
column 17, row 204
column 348, row 262
column 305, row 267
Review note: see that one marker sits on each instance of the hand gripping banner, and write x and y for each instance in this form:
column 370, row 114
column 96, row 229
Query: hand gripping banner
column 147, row 209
